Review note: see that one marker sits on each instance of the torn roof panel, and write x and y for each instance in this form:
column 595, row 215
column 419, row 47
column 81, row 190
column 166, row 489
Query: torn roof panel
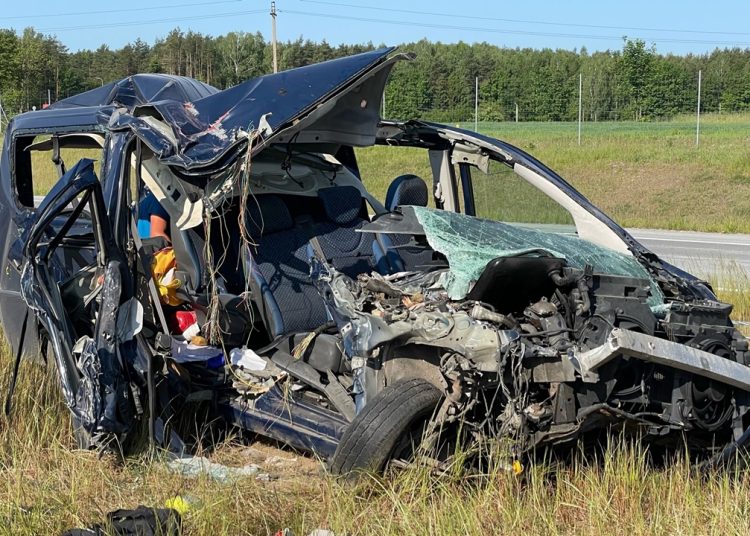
column 201, row 130
column 286, row 94
column 204, row 131
column 140, row 89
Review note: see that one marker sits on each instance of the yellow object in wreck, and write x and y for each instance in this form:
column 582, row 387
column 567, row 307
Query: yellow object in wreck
column 162, row 269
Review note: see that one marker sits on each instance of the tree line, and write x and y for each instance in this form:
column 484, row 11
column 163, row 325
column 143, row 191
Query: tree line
column 634, row 83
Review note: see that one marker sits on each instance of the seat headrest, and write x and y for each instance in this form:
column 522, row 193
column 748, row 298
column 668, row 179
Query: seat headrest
column 267, row 214
column 341, row 203
column 406, row 190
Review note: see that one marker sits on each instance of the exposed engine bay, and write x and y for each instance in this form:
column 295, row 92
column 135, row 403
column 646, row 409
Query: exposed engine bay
column 513, row 358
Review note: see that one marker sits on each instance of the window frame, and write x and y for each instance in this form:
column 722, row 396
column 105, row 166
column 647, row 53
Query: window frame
column 31, row 134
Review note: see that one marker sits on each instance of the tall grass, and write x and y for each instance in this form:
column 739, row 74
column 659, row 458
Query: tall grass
column 732, row 285
column 47, row 486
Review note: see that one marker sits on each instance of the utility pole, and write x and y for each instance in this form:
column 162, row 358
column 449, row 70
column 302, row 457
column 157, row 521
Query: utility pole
column 580, row 105
column 273, row 36
column 476, row 104
column 49, row 97
column 516, row 112
column 698, row 113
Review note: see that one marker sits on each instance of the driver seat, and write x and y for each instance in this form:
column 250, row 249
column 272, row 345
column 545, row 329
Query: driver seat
column 402, row 252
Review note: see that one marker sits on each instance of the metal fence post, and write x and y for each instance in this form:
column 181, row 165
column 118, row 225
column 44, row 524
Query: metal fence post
column 698, row 112
column 476, row 104
column 580, row 104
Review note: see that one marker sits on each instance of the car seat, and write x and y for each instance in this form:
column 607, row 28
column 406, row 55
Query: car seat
column 406, row 190
column 344, row 247
column 402, row 252
column 278, row 269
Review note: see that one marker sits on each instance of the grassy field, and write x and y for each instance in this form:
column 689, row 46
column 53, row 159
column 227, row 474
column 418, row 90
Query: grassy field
column 648, row 175
column 46, row 487
column 643, row 174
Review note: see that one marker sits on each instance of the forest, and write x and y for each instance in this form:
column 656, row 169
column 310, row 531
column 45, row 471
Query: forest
column 632, row 83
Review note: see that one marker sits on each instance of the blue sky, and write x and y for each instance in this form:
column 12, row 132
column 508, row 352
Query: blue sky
column 675, row 26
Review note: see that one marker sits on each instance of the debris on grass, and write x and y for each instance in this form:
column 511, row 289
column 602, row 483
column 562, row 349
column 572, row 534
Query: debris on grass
column 195, row 466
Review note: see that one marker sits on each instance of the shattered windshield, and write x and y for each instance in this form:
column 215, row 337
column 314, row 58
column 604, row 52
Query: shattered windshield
column 470, row 243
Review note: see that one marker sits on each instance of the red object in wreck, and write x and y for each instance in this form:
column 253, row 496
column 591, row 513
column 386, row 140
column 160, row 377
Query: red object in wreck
column 185, row 319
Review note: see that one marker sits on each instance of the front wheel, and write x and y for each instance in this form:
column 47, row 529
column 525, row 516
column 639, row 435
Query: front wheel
column 398, row 413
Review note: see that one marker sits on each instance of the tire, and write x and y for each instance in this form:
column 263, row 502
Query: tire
column 369, row 441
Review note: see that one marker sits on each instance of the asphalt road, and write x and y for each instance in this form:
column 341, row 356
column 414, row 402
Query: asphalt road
column 705, row 255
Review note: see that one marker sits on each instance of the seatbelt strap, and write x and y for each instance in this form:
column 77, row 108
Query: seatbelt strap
column 147, row 270
column 156, row 424
column 318, row 251
column 16, row 365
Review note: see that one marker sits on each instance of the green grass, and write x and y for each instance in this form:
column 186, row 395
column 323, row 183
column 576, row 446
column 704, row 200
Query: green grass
column 642, row 174
column 44, row 172
column 46, row 487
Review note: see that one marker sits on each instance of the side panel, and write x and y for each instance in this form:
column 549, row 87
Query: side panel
column 93, row 360
column 294, row 422
column 12, row 306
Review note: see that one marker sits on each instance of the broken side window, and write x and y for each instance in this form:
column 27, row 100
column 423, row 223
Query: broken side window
column 380, row 165
column 40, row 160
column 502, row 195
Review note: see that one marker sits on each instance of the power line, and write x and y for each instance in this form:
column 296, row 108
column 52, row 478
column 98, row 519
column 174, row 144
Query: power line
column 152, row 21
column 504, row 30
column 521, row 21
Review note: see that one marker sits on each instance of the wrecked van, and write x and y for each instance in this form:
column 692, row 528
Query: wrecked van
column 488, row 303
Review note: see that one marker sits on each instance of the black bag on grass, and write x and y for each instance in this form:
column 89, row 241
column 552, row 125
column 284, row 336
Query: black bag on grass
column 142, row 521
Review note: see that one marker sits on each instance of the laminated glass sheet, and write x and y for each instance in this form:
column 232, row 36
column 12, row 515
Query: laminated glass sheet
column 469, row 243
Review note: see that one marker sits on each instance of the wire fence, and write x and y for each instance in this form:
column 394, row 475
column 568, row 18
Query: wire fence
column 475, row 106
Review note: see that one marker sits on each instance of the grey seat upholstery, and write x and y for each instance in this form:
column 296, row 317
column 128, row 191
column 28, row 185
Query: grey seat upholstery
column 406, row 190
column 348, row 250
column 279, row 271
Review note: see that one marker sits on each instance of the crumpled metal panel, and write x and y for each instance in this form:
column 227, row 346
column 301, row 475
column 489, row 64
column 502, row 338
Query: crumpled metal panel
column 469, row 243
column 139, row 89
column 347, row 301
column 200, row 133
column 93, row 378
column 88, row 400
column 115, row 413
column 33, row 296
